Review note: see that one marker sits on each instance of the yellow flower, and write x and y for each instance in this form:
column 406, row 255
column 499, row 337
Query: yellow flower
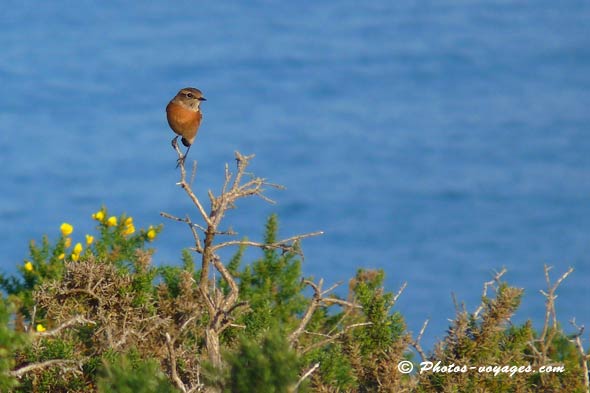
column 98, row 216
column 28, row 266
column 78, row 248
column 61, row 256
column 112, row 221
column 40, row 328
column 128, row 221
column 75, row 257
column 129, row 229
column 66, row 229
column 68, row 242
column 151, row 234
column 89, row 240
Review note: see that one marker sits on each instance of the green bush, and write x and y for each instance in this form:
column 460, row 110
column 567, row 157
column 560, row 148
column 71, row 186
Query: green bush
column 97, row 316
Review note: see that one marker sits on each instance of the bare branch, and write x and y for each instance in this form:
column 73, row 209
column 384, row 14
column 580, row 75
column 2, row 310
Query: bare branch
column 305, row 376
column 548, row 333
column 281, row 244
column 172, row 359
column 330, row 338
column 48, row 363
column 315, row 302
column 416, row 343
column 399, row 293
column 329, row 300
column 77, row 320
column 486, row 286
column 584, row 358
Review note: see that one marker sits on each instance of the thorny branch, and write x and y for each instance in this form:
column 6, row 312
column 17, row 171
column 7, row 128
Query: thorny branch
column 172, row 359
column 550, row 327
column 77, row 320
column 416, row 343
column 318, row 299
column 584, row 358
column 65, row 364
column 305, row 376
column 486, row 286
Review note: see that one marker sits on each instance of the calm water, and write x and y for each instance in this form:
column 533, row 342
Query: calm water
column 439, row 141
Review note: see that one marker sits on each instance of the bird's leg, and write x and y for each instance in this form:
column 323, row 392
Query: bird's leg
column 181, row 159
column 175, row 142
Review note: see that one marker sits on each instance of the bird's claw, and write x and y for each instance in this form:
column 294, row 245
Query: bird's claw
column 175, row 143
column 180, row 161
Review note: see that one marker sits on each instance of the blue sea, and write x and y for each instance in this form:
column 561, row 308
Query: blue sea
column 437, row 140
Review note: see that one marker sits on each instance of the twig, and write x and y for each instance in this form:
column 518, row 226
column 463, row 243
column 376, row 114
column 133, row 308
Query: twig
column 416, row 343
column 330, row 338
column 315, row 302
column 306, row 375
column 486, row 285
column 187, row 188
column 577, row 340
column 281, row 244
column 32, row 318
column 399, row 293
column 78, row 320
column 48, row 363
column 547, row 335
column 172, row 359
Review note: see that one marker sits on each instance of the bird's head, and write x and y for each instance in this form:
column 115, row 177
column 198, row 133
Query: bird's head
column 190, row 97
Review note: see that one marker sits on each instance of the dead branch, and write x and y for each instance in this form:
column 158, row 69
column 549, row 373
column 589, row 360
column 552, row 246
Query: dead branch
column 187, row 188
column 331, row 337
column 318, row 299
column 546, row 338
column 584, row 358
column 48, row 363
column 399, row 293
column 193, row 227
column 416, row 343
column 486, row 286
column 172, row 359
column 315, row 302
column 77, row 320
column 285, row 244
column 305, row 376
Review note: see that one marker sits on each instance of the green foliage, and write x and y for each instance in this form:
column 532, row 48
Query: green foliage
column 487, row 340
column 131, row 374
column 265, row 366
column 336, row 368
column 363, row 358
column 272, row 286
column 10, row 342
column 133, row 318
column 385, row 328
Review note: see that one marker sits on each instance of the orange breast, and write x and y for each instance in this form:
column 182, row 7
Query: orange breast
column 183, row 121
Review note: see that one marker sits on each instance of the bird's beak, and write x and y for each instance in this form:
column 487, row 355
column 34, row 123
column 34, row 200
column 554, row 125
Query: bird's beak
column 202, row 99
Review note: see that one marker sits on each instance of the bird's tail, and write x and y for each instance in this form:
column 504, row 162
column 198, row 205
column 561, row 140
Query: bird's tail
column 185, row 142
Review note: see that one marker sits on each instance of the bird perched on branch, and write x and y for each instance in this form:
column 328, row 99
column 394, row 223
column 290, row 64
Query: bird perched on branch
column 184, row 117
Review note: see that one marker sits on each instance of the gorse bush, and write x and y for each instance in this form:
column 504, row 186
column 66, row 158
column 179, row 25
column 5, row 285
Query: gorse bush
column 91, row 313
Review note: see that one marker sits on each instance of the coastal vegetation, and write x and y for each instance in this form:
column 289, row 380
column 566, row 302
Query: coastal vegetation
column 92, row 313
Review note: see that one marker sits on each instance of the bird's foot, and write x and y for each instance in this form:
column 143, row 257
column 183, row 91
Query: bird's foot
column 180, row 161
column 175, row 143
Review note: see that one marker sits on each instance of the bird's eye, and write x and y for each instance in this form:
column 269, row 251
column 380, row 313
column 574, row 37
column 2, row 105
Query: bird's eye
column 190, row 95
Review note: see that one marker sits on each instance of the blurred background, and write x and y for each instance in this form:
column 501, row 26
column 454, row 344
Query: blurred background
column 437, row 140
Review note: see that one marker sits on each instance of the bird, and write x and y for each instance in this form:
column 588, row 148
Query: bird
column 184, row 117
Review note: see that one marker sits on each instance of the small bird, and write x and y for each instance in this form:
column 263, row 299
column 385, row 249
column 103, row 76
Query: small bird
column 184, row 117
